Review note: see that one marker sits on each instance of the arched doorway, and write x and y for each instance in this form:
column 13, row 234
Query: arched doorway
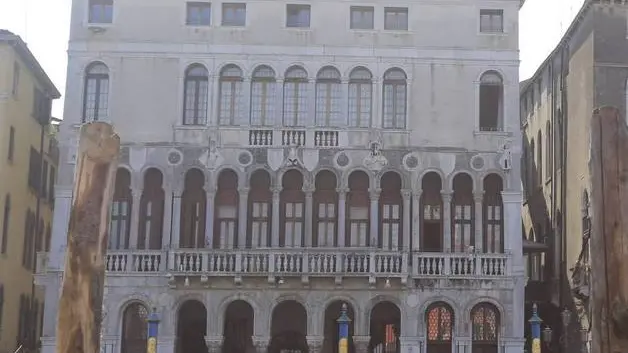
column 134, row 329
column 439, row 323
column 191, row 327
column 485, row 328
column 385, row 328
column 331, row 332
column 288, row 328
column 238, row 327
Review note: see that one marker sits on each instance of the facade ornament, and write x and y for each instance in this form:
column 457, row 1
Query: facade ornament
column 375, row 160
column 214, row 158
column 293, row 161
column 505, row 159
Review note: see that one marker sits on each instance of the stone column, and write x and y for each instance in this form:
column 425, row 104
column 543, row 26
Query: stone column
column 135, row 219
column 176, row 221
column 261, row 344
column 416, row 220
column 406, row 195
column 244, row 118
column 374, row 221
column 361, row 343
column 309, row 205
column 275, row 220
column 478, row 197
column 167, row 222
column 446, row 220
column 214, row 344
column 315, row 344
column 209, row 219
column 243, row 207
column 342, row 217
column 278, row 118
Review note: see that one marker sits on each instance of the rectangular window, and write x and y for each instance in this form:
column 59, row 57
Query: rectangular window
column 263, row 97
column 432, row 228
column 34, row 170
column 359, row 226
column 230, row 102
column 41, row 107
column 362, row 17
column 16, row 79
column 492, row 21
column 234, row 14
column 260, row 224
column 100, row 11
column 11, row 150
column 119, row 224
column 396, row 18
column 462, row 228
column 227, row 226
column 326, row 225
column 198, row 14
column 295, row 108
column 293, row 231
column 298, row 16
column 391, row 226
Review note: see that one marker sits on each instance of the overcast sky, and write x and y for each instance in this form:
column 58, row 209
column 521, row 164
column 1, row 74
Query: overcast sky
column 44, row 25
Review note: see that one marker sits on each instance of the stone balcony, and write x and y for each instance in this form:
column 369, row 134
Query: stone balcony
column 305, row 263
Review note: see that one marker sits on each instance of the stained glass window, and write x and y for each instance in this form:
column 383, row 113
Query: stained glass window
column 439, row 322
column 485, row 322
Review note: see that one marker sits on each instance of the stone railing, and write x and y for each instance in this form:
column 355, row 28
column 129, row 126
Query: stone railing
column 460, row 265
column 315, row 137
column 135, row 261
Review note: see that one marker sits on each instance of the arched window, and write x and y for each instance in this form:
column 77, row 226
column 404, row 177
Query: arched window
column 151, row 211
column 6, row 218
column 360, row 97
column 295, row 97
column 491, row 101
column 462, row 214
column 263, row 95
column 96, row 93
column 328, row 98
column 431, row 213
column 193, row 203
column 439, row 323
column 120, row 226
column 390, row 204
column 325, row 210
column 395, row 99
column 358, row 209
column 292, row 200
column 195, row 95
column 134, row 329
column 230, row 105
column 493, row 241
column 549, row 148
column 539, row 158
column 485, row 328
column 558, row 136
column 532, row 167
column 260, row 210
column 226, row 224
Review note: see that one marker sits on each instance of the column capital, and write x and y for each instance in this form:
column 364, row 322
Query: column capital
column 276, row 190
column 446, row 195
column 406, row 194
column 374, row 193
column 243, row 191
column 512, row 197
column 210, row 193
column 308, row 190
column 478, row 196
column 342, row 190
column 417, row 193
column 136, row 192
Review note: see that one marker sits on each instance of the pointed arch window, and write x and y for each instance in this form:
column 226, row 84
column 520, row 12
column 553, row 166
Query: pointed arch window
column 263, row 96
column 193, row 203
column 485, row 326
column 360, row 97
column 493, row 215
column 96, row 93
column 462, row 230
column 358, row 203
column 325, row 210
column 395, row 99
column 431, row 213
column 134, row 329
column 328, row 98
column 226, row 225
column 260, row 206
column 230, row 104
column 295, row 89
column 292, row 200
column 151, row 211
column 195, row 95
column 391, row 211
column 491, row 101
column 120, row 224
column 439, row 323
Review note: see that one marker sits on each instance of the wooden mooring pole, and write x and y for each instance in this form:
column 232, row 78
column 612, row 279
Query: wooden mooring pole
column 608, row 167
column 80, row 304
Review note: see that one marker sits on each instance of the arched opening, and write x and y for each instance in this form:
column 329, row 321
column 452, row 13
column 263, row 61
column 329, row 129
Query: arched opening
column 260, row 210
column 462, row 214
column 238, row 327
column 493, row 241
column 292, row 201
column 491, row 101
column 431, row 213
column 390, row 210
column 325, row 210
column 96, row 92
column 328, row 97
column 439, row 324
column 191, row 327
column 385, row 328
column 230, row 91
column 295, row 93
column 395, row 99
column 193, row 203
column 151, row 211
column 134, row 329
column 485, row 328
column 288, row 328
column 358, row 203
column 360, row 97
column 195, row 95
column 263, row 93
column 331, row 328
column 226, row 212
column 120, row 222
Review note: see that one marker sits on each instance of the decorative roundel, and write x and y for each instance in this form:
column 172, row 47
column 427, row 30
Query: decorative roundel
column 477, row 163
column 174, row 157
column 412, row 162
column 245, row 158
column 342, row 160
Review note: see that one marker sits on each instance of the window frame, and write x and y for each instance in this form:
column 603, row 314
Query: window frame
column 98, row 78
column 107, row 15
column 299, row 8
column 236, row 7
column 397, row 11
column 363, row 11
column 395, row 83
column 198, row 118
column 200, row 6
column 492, row 15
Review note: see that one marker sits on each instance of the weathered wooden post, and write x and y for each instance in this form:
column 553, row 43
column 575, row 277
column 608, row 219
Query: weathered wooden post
column 608, row 167
column 80, row 304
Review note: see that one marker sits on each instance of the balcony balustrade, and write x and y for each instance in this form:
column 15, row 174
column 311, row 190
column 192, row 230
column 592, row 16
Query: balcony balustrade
column 312, row 262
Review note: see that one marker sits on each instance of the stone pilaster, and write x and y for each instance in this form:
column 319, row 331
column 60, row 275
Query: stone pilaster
column 315, row 344
column 361, row 343
column 214, row 344
column 261, row 344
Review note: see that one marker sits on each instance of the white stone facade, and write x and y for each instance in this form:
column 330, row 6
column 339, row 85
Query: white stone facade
column 284, row 170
